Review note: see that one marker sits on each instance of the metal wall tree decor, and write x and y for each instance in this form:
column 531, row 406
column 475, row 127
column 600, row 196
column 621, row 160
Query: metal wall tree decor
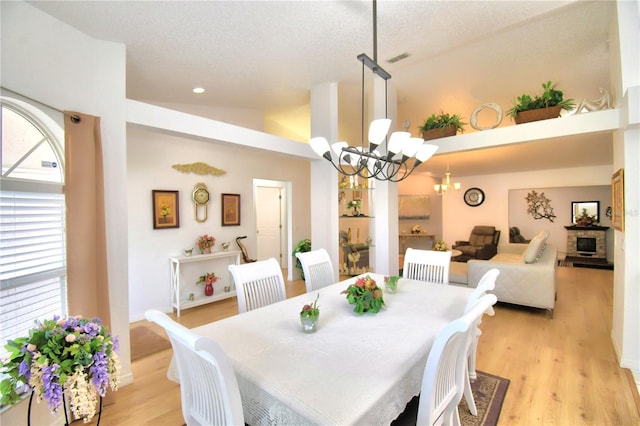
column 540, row 206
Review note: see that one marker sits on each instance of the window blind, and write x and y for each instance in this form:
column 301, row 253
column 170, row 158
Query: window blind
column 32, row 260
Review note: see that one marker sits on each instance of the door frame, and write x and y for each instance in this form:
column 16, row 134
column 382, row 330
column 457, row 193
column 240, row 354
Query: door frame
column 287, row 227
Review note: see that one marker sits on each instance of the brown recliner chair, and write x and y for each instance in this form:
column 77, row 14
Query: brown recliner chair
column 482, row 244
column 516, row 237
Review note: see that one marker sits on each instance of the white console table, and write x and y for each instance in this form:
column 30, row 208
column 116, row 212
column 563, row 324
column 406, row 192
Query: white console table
column 186, row 270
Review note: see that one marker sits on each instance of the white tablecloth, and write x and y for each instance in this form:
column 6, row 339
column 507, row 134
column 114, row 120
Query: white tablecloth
column 353, row 370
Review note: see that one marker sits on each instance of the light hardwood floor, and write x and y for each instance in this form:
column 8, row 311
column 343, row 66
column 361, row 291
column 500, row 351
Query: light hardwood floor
column 563, row 371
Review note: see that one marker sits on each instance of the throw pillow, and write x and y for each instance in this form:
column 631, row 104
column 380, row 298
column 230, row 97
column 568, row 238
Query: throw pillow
column 531, row 253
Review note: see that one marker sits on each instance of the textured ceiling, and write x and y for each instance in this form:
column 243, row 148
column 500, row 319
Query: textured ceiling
column 266, row 55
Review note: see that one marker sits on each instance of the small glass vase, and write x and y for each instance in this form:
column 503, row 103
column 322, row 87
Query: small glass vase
column 391, row 284
column 309, row 324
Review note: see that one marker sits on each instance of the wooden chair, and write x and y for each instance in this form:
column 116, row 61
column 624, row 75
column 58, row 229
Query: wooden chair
column 486, row 284
column 427, row 265
column 258, row 284
column 317, row 268
column 208, row 386
column 443, row 380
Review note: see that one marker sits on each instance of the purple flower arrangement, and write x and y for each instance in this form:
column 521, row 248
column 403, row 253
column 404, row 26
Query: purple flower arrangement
column 73, row 356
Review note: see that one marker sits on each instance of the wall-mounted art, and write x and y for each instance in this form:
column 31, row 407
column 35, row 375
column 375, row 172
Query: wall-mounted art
column 166, row 212
column 230, row 209
column 617, row 199
column 199, row 168
column 413, row 207
column 539, row 206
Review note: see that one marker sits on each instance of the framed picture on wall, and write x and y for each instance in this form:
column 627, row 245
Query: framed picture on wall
column 617, row 200
column 230, row 209
column 166, row 212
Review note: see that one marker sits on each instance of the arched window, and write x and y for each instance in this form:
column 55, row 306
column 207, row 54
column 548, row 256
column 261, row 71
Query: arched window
column 32, row 219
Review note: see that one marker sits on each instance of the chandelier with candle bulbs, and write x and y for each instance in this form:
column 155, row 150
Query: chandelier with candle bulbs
column 390, row 158
column 447, row 186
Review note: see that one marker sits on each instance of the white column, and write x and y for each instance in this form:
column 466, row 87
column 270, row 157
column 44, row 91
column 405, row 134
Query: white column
column 626, row 286
column 386, row 251
column 324, row 178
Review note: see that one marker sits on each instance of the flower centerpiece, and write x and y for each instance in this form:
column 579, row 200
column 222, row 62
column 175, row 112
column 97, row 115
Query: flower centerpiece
column 440, row 245
column 208, row 280
column 309, row 316
column 205, row 242
column 75, row 355
column 365, row 295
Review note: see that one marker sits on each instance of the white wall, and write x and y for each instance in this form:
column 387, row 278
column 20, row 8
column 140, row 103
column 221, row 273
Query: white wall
column 150, row 155
column 53, row 63
column 560, row 200
column 459, row 218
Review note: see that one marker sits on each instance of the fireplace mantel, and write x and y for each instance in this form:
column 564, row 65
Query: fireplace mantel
column 586, row 228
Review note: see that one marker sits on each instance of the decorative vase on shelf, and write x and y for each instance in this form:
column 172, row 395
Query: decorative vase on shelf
column 355, row 211
column 206, row 250
column 208, row 289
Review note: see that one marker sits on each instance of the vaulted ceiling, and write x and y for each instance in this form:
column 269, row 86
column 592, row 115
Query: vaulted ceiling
column 266, row 55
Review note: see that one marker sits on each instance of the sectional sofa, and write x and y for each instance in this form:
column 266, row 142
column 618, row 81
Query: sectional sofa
column 527, row 273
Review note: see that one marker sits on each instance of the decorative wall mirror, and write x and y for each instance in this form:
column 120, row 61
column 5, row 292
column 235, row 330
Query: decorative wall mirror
column 592, row 208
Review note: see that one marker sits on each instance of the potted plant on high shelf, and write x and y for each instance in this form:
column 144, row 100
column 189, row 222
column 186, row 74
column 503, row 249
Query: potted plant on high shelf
column 540, row 107
column 441, row 125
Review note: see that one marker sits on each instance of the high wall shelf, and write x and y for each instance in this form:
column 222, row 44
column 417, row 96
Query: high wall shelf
column 185, row 271
column 578, row 124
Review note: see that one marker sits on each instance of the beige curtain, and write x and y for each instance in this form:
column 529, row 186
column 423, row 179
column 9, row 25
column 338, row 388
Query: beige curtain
column 87, row 277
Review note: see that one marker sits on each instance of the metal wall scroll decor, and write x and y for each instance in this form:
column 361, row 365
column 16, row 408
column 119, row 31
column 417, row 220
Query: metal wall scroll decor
column 540, row 206
column 199, row 168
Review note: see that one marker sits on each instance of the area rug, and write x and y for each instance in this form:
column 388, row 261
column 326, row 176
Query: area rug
column 488, row 391
column 145, row 342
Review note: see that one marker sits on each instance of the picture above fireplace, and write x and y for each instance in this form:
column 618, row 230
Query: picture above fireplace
column 580, row 209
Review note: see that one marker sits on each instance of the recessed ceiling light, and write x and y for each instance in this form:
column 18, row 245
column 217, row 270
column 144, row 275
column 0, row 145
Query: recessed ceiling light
column 198, row 90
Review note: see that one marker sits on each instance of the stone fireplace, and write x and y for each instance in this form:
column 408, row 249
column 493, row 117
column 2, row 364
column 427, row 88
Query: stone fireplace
column 587, row 241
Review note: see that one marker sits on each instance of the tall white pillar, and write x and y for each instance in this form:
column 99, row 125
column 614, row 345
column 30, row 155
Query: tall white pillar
column 324, row 178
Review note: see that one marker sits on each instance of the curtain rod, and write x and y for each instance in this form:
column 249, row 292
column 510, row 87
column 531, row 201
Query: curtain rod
column 74, row 118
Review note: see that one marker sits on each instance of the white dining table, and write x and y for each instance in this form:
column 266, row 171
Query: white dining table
column 354, row 370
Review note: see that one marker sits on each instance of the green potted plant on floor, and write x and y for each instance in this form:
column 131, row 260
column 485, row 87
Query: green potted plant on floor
column 441, row 125
column 303, row 246
column 540, row 107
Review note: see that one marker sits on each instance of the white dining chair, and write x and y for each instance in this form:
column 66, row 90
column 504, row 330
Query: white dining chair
column 442, row 382
column 208, row 387
column 427, row 265
column 317, row 269
column 258, row 284
column 486, row 284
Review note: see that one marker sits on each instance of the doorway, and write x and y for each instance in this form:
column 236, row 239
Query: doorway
column 272, row 206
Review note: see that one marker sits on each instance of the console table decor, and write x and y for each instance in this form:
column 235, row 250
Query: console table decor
column 185, row 273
